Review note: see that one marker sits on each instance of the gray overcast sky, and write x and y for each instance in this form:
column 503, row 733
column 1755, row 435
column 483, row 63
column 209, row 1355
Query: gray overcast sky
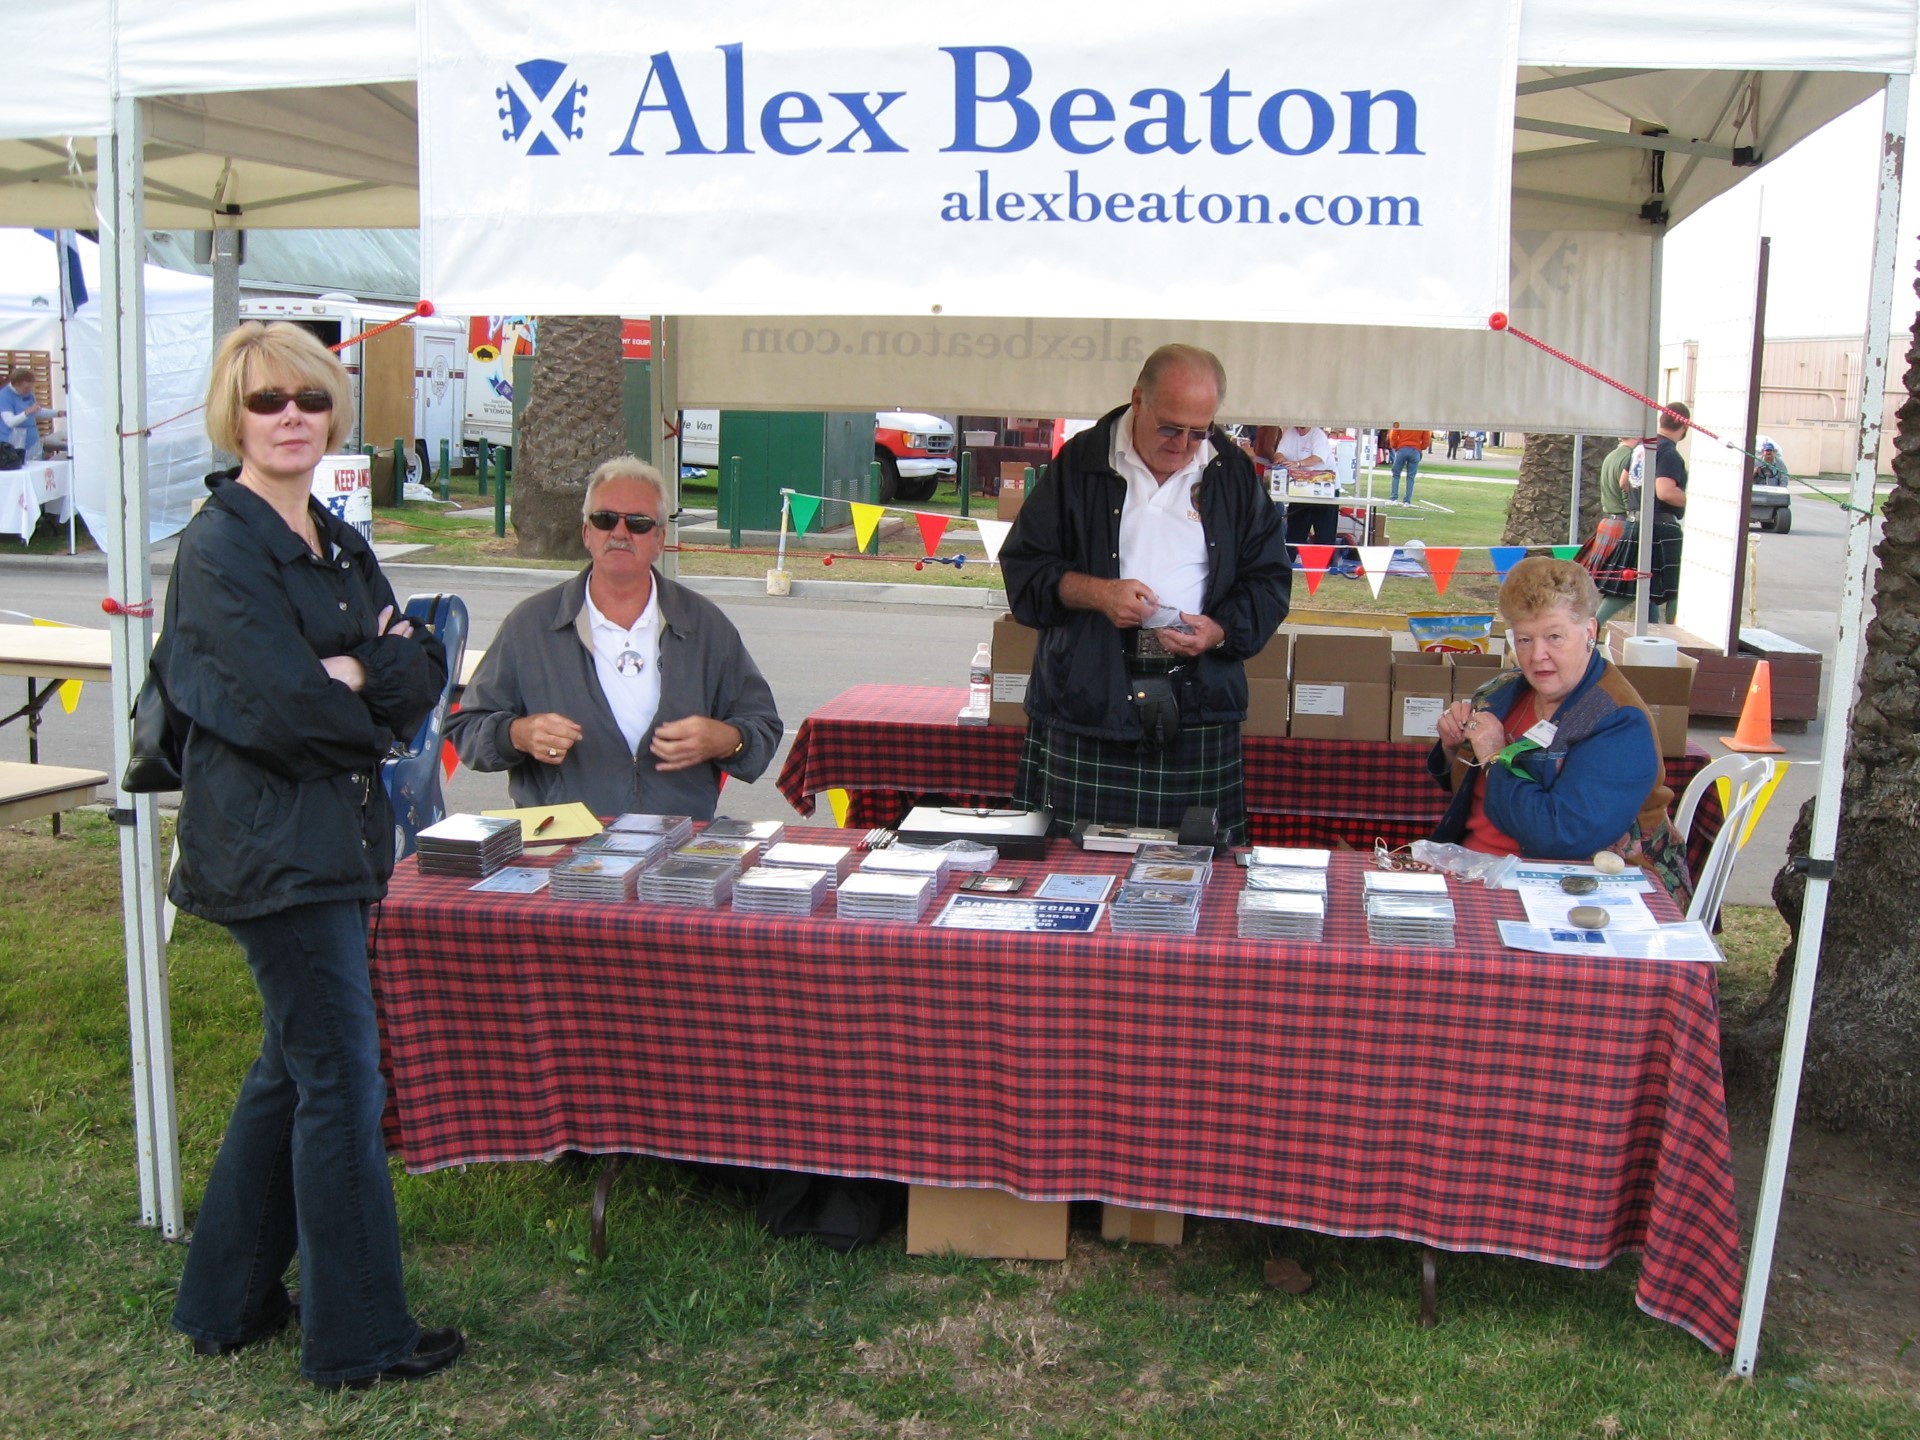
column 1816, row 203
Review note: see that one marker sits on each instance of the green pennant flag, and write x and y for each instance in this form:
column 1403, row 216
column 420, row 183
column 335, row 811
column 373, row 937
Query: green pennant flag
column 804, row 508
column 1565, row 552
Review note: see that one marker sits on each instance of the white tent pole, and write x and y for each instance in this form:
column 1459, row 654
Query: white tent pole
column 665, row 331
column 1643, row 560
column 1573, row 508
column 1855, row 606
column 130, row 581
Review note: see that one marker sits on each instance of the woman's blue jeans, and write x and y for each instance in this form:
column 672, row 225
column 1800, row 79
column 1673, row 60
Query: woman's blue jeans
column 303, row 1167
column 1406, row 458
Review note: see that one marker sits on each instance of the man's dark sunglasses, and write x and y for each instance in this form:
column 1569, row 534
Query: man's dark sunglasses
column 1175, row 432
column 272, row 402
column 607, row 519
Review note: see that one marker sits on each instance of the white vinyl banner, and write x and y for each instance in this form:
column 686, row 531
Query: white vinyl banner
column 1228, row 160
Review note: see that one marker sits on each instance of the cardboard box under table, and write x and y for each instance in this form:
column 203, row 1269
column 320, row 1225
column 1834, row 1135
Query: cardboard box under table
column 1341, row 687
column 1014, row 646
column 987, row 1223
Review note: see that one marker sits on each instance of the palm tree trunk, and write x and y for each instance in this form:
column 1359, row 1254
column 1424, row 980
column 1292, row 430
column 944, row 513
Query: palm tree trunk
column 572, row 422
column 1538, row 514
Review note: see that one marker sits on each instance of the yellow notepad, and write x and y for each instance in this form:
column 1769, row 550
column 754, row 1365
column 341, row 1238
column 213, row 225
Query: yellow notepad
column 549, row 824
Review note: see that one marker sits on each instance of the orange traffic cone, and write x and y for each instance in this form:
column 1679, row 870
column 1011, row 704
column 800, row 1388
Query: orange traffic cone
column 1754, row 734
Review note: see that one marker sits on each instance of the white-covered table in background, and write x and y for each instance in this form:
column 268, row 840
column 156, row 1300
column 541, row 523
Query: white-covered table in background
column 38, row 486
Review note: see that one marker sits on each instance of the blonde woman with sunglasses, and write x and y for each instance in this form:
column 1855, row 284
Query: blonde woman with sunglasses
column 282, row 650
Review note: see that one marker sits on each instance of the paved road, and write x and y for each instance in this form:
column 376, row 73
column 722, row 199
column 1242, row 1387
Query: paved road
column 812, row 649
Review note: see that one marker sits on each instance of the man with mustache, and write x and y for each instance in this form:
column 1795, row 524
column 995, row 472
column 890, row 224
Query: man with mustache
column 620, row 688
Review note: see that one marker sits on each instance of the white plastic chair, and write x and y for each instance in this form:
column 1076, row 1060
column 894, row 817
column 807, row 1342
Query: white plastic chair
column 1747, row 776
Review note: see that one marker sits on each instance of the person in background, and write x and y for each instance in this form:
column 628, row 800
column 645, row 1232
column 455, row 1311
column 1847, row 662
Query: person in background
column 1149, row 550
column 1305, row 450
column 1770, row 468
column 19, row 413
column 1557, row 759
column 620, row 688
column 1660, row 456
column 1453, row 444
column 1604, row 551
column 281, row 651
column 1408, row 447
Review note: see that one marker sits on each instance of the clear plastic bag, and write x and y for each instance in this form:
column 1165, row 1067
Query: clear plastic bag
column 1464, row 864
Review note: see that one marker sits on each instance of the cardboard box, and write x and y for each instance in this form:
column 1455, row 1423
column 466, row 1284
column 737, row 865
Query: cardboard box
column 1014, row 646
column 1010, row 499
column 1668, row 691
column 1422, row 689
column 1271, row 663
column 987, row 1223
column 1266, row 708
column 1360, row 656
column 1142, row 1227
column 1340, row 710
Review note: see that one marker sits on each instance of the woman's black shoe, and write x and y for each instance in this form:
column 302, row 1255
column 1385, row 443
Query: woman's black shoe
column 433, row 1352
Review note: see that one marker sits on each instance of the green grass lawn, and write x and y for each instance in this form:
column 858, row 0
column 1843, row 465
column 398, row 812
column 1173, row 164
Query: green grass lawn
column 702, row 1325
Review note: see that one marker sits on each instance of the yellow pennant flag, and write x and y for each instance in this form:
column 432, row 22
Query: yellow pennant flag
column 838, row 801
column 70, row 690
column 866, row 519
column 1760, row 804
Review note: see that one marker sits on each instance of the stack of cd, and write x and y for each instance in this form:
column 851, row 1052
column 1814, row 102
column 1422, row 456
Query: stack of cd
column 834, row 861
column 1289, row 857
column 472, row 845
column 1285, row 880
column 737, row 853
column 871, row 895
column 701, row 884
column 1187, row 866
column 761, row 832
column 1155, row 909
column 1408, row 908
column 778, row 890
column 650, row 848
column 596, row 875
column 673, row 829
column 1280, row 914
column 925, row 861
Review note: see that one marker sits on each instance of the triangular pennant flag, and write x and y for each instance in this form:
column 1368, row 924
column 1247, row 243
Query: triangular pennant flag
column 992, row 534
column 932, row 527
column 1505, row 557
column 839, row 801
column 1314, row 560
column 1375, row 560
column 804, row 508
column 70, row 695
column 1565, row 552
column 1759, row 804
column 1440, row 560
column 449, row 758
column 866, row 520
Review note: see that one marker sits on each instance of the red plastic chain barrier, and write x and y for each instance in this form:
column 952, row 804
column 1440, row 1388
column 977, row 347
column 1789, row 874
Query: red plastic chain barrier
column 139, row 608
column 1499, row 321
column 421, row 309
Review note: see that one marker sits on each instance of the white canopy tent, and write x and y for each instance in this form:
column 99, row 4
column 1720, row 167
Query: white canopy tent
column 1629, row 116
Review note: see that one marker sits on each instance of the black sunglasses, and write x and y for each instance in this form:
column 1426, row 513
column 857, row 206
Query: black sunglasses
column 272, row 402
column 1175, row 432
column 607, row 519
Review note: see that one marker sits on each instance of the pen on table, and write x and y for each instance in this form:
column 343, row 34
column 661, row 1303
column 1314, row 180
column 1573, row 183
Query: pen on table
column 545, row 821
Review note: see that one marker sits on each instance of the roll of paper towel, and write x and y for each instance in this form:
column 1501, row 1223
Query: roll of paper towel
column 1650, row 650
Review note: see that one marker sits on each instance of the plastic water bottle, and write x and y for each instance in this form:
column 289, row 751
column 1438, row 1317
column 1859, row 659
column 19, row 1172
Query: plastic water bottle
column 980, row 680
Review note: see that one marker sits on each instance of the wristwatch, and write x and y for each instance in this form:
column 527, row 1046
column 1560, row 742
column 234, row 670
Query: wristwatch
column 734, row 753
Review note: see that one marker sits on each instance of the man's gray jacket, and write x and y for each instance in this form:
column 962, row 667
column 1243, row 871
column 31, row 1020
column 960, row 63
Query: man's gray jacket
column 542, row 660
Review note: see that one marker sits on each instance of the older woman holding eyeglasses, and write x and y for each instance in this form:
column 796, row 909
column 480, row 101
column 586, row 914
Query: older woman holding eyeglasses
column 1556, row 759
column 281, row 650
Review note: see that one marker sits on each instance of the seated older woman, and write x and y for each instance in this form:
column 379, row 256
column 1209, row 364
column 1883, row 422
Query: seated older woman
column 1556, row 759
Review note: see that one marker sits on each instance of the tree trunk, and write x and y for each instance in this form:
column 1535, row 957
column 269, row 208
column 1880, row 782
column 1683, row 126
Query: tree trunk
column 1863, row 1043
column 1538, row 514
column 572, row 422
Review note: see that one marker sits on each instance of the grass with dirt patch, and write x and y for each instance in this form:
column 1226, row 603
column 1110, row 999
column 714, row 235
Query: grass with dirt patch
column 700, row 1324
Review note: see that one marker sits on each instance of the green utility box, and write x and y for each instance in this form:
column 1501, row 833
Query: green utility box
column 811, row 452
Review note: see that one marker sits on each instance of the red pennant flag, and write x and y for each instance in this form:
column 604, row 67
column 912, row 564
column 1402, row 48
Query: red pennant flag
column 449, row 758
column 1314, row 560
column 932, row 527
column 1059, row 435
column 1440, row 561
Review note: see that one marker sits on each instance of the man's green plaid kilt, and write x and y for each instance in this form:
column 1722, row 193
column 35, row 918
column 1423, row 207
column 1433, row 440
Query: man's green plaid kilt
column 1121, row 782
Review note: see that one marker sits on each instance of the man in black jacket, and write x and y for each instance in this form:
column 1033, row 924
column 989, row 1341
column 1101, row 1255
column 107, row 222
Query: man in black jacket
column 1149, row 558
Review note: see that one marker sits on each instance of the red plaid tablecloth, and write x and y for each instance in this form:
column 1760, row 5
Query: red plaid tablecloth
column 1472, row 1099
column 890, row 744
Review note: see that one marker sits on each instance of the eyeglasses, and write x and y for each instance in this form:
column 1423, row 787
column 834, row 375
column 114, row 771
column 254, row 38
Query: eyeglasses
column 272, row 402
column 1177, row 432
column 607, row 519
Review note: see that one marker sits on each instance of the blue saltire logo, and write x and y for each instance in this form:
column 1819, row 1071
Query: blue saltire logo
column 544, row 106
